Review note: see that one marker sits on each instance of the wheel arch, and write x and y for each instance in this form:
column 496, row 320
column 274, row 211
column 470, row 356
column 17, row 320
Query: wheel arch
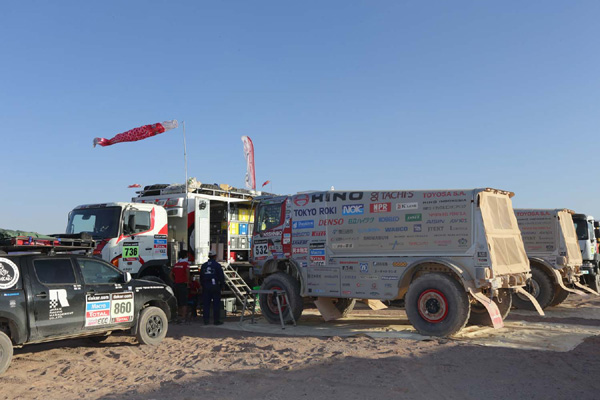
column 430, row 265
column 154, row 268
column 288, row 266
column 544, row 266
column 12, row 329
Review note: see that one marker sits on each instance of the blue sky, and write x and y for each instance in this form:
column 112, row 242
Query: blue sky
column 354, row 94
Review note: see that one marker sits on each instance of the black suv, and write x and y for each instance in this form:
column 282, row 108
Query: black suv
column 50, row 296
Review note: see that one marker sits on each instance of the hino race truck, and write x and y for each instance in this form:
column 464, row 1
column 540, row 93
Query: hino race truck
column 446, row 253
column 137, row 236
column 553, row 251
column 586, row 229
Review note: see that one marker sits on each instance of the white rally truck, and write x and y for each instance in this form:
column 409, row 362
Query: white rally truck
column 553, row 251
column 446, row 253
column 137, row 236
column 585, row 228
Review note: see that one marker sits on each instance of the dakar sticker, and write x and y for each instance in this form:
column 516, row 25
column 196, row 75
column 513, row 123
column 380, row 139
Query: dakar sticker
column 9, row 273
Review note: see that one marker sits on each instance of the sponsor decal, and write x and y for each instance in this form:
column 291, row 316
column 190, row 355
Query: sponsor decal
column 462, row 241
column 346, row 292
column 368, row 230
column 131, row 251
column 532, row 213
column 390, row 278
column 458, row 221
column 301, row 234
column 406, row 206
column 376, row 237
column 336, row 196
column 301, row 200
column 435, row 229
column 389, row 219
column 347, row 268
column 319, row 233
column 300, row 250
column 380, row 264
column 429, row 195
column 9, row 273
column 417, row 228
column 309, row 212
column 364, row 268
column 397, row 229
column 413, row 217
column 366, row 220
column 328, row 222
column 376, row 196
column 343, row 231
column 353, row 209
column 317, row 252
column 303, row 241
column 341, row 246
column 482, row 254
column 399, row 264
column 309, row 224
column 435, row 221
column 58, row 301
column 380, row 208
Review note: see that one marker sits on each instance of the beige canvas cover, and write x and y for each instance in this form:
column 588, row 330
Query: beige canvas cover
column 570, row 237
column 506, row 248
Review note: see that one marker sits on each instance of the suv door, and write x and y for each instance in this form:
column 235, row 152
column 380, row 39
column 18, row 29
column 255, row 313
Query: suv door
column 108, row 302
column 58, row 300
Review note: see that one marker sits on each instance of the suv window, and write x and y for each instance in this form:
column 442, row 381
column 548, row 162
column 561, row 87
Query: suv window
column 97, row 272
column 54, row 271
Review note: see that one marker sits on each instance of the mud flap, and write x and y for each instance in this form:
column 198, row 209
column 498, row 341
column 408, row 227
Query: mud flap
column 327, row 309
column 525, row 293
column 374, row 304
column 592, row 291
column 559, row 279
column 491, row 308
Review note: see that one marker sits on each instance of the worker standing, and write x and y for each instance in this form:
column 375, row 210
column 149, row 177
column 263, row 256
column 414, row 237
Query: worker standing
column 212, row 279
column 180, row 274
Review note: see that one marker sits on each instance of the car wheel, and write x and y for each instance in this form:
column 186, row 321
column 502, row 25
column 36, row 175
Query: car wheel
column 6, row 352
column 152, row 326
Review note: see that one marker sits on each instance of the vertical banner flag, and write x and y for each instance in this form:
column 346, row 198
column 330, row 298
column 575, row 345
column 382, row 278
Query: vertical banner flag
column 135, row 134
column 249, row 154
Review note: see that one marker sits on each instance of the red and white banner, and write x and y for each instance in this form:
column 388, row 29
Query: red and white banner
column 249, row 155
column 135, row 185
column 135, row 134
column 266, row 183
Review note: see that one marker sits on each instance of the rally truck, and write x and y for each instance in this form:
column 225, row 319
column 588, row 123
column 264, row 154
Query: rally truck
column 586, row 230
column 49, row 293
column 140, row 237
column 446, row 253
column 554, row 255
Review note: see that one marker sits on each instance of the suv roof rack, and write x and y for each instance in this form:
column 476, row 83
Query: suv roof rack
column 49, row 246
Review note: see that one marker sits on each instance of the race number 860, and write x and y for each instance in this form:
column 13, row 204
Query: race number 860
column 122, row 308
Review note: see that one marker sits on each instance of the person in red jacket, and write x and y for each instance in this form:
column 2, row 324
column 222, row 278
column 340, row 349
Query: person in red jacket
column 180, row 274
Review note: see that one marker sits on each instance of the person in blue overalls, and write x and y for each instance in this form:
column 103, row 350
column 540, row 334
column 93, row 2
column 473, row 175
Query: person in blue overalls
column 212, row 279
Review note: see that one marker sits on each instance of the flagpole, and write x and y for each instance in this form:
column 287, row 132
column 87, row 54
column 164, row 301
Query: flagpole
column 186, row 187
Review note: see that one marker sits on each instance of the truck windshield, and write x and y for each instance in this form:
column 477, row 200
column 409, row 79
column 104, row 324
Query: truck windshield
column 269, row 216
column 101, row 223
column 581, row 228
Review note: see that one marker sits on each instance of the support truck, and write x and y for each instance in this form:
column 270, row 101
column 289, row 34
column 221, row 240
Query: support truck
column 553, row 251
column 585, row 228
column 446, row 253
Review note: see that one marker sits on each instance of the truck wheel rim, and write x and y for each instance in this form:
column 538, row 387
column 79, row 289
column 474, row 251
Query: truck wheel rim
column 154, row 326
column 272, row 302
column 433, row 306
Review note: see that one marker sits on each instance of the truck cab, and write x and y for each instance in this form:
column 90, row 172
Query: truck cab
column 132, row 237
column 586, row 235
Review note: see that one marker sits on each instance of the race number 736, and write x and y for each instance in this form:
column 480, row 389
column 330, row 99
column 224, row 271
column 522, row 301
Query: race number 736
column 130, row 251
column 261, row 249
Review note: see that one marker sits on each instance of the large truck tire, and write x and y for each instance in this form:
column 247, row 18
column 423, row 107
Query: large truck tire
column 560, row 295
column 152, row 326
column 480, row 315
column 268, row 302
column 540, row 286
column 437, row 305
column 593, row 281
column 6, row 352
column 345, row 306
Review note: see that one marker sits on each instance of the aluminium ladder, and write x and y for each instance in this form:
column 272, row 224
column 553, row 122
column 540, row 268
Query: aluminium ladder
column 237, row 285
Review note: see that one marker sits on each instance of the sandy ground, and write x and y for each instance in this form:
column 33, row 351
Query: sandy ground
column 347, row 362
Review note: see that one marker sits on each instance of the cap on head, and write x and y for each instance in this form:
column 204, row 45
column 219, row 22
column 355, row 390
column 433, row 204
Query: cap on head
column 212, row 253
